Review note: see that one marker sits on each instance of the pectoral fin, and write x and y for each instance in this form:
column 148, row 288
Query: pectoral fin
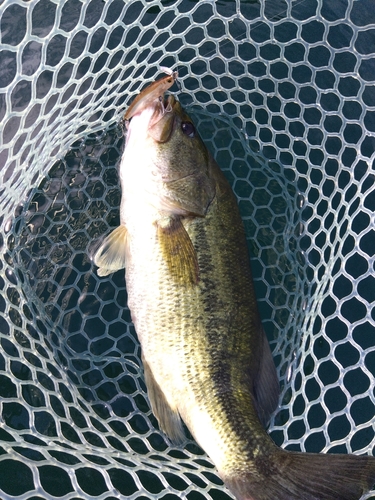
column 178, row 251
column 110, row 256
column 168, row 418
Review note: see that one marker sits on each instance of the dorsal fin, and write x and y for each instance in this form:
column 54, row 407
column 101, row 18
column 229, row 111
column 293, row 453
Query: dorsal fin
column 266, row 384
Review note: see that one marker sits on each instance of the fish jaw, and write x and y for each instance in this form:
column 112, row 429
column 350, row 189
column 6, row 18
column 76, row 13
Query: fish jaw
column 136, row 170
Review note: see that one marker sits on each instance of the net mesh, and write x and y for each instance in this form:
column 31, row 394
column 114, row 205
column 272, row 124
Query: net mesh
column 283, row 94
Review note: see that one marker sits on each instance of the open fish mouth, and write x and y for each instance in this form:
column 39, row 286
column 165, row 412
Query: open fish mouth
column 169, row 104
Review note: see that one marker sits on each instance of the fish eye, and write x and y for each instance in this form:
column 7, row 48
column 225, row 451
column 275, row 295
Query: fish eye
column 188, row 129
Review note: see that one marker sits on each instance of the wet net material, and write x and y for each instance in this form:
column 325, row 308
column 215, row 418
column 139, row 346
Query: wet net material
column 283, row 94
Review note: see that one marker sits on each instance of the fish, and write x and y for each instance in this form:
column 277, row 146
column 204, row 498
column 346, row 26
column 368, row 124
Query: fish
column 207, row 362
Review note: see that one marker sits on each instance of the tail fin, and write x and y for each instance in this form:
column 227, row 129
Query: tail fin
column 304, row 476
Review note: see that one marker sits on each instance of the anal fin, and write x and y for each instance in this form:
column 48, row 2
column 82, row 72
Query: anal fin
column 169, row 419
column 178, row 250
column 111, row 254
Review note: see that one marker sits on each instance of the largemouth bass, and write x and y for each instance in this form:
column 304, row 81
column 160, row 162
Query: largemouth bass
column 206, row 358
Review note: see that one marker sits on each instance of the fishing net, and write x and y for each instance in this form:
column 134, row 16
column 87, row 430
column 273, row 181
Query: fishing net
column 283, row 94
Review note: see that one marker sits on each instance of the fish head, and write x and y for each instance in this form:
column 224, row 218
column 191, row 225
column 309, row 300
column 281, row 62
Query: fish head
column 181, row 160
column 163, row 141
